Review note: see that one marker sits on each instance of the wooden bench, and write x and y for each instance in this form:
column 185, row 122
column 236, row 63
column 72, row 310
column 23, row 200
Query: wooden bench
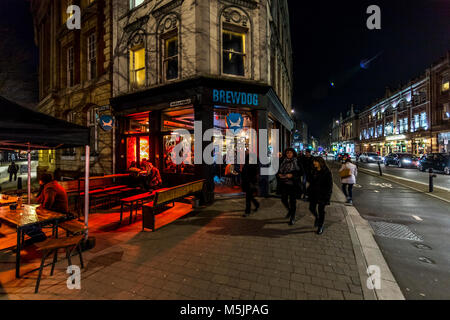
column 135, row 202
column 153, row 217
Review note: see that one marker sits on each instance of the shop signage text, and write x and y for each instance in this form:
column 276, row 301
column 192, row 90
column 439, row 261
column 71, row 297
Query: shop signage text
column 180, row 103
column 234, row 97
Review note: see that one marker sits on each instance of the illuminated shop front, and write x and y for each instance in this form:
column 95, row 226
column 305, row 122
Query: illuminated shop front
column 147, row 121
column 443, row 141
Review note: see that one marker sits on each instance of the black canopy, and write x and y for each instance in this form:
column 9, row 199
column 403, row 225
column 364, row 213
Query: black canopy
column 21, row 128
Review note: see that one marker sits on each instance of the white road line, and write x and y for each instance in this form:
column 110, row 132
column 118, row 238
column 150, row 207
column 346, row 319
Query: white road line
column 417, row 218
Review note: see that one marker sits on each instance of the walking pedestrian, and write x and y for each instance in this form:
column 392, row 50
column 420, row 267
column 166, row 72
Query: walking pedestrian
column 319, row 191
column 249, row 177
column 348, row 173
column 307, row 163
column 289, row 178
column 12, row 170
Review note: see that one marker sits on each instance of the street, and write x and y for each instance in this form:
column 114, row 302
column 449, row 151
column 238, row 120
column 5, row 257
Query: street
column 417, row 257
column 441, row 179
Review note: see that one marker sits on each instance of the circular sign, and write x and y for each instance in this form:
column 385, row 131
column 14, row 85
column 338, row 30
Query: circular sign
column 106, row 122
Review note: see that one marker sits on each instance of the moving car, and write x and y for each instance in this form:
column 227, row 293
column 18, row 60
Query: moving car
column 370, row 157
column 401, row 160
column 439, row 162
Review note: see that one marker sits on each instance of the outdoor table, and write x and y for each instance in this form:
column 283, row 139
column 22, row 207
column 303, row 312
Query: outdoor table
column 6, row 202
column 25, row 217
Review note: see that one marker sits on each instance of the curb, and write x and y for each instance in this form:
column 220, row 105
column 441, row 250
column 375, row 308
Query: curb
column 367, row 253
column 386, row 176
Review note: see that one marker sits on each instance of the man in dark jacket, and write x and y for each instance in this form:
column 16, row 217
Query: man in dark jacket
column 319, row 191
column 12, row 170
column 249, row 177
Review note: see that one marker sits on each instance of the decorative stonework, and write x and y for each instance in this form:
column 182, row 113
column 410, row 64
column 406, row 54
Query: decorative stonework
column 234, row 16
column 137, row 38
column 157, row 13
column 242, row 3
column 136, row 25
column 168, row 23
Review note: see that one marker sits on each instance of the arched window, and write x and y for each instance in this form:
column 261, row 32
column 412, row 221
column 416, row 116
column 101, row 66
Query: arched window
column 169, row 44
column 137, row 59
column 235, row 42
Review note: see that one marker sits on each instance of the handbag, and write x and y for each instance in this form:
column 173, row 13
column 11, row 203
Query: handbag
column 345, row 173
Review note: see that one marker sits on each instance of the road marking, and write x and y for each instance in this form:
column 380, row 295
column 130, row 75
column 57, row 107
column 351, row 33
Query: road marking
column 417, row 218
column 357, row 185
column 376, row 191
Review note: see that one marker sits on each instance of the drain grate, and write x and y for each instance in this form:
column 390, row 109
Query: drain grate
column 426, row 260
column 422, row 246
column 394, row 231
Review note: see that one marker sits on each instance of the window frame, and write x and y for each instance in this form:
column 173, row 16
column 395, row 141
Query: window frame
column 133, row 83
column 70, row 67
column 243, row 54
column 166, row 58
column 91, row 56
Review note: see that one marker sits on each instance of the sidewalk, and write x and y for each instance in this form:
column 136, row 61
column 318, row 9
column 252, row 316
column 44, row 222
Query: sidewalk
column 214, row 253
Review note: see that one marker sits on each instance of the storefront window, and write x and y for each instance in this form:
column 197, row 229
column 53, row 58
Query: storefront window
column 169, row 143
column 131, row 151
column 137, row 123
column 178, row 118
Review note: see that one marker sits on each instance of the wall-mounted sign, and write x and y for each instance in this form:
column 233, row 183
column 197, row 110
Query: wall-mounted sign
column 103, row 108
column 180, row 103
column 234, row 97
column 106, row 122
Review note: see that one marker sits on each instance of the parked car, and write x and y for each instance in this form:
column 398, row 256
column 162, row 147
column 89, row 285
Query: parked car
column 370, row 157
column 340, row 156
column 439, row 162
column 401, row 160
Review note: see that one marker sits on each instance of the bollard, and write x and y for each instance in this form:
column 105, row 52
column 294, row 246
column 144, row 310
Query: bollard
column 19, row 183
column 379, row 168
column 431, row 176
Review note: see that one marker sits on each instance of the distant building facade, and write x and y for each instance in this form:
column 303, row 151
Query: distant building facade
column 345, row 133
column 75, row 74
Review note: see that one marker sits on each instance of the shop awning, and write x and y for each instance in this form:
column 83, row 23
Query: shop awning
column 22, row 128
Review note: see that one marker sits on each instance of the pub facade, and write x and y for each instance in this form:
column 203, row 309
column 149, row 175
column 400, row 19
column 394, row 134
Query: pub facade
column 217, row 62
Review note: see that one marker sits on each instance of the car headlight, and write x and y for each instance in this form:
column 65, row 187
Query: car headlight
column 406, row 161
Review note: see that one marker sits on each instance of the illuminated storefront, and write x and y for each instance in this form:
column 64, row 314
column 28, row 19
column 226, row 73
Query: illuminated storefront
column 148, row 120
column 443, row 142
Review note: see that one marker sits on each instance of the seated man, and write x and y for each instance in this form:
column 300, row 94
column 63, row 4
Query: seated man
column 154, row 180
column 51, row 196
column 54, row 196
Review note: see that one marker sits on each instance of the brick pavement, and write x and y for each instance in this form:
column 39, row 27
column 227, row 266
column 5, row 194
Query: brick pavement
column 213, row 253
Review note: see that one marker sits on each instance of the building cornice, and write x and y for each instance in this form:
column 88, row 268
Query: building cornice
column 250, row 4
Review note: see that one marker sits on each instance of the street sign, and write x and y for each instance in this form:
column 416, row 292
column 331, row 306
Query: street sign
column 180, row 103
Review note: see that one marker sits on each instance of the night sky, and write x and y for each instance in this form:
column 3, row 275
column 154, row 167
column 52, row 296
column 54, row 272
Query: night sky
column 330, row 38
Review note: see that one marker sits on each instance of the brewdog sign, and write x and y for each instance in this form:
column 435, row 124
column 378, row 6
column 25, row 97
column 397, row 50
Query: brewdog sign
column 235, row 97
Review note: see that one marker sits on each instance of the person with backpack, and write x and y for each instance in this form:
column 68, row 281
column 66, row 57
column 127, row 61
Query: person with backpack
column 348, row 173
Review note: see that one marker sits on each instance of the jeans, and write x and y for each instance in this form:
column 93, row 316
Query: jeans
column 313, row 206
column 349, row 194
column 289, row 199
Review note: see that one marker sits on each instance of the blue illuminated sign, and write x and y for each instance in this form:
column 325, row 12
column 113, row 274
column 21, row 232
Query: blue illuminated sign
column 234, row 97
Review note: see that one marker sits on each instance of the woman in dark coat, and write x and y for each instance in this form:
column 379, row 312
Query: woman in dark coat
column 289, row 179
column 319, row 191
column 249, row 176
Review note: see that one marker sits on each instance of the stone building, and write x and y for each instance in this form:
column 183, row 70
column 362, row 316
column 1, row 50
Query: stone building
column 75, row 73
column 400, row 122
column 440, row 104
column 220, row 62
column 345, row 133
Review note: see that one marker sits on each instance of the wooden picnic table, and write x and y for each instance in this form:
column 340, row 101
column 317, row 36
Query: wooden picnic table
column 26, row 217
